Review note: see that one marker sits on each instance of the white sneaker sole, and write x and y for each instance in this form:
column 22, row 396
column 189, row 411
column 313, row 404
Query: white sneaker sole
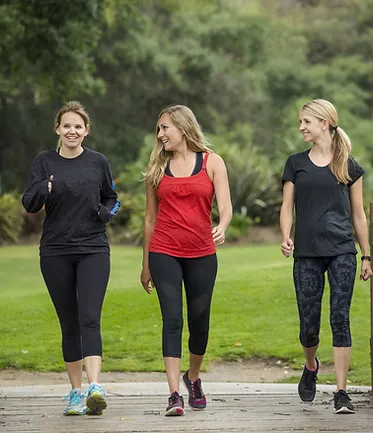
column 344, row 409
column 175, row 411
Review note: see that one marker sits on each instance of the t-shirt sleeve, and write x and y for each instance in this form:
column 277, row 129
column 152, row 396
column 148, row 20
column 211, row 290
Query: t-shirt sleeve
column 354, row 171
column 289, row 173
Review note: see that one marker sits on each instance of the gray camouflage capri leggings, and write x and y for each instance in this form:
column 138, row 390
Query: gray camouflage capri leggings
column 309, row 281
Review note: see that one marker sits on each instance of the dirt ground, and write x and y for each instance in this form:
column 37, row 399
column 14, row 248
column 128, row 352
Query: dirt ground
column 253, row 371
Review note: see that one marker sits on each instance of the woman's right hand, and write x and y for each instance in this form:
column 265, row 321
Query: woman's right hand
column 287, row 247
column 146, row 280
column 50, row 183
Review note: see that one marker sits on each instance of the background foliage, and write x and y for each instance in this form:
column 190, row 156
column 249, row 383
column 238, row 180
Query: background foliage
column 244, row 67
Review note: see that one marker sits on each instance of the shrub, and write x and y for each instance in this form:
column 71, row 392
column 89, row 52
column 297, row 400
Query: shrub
column 128, row 225
column 11, row 218
column 239, row 227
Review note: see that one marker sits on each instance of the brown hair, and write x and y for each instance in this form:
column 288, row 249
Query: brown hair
column 75, row 107
column 341, row 144
column 185, row 121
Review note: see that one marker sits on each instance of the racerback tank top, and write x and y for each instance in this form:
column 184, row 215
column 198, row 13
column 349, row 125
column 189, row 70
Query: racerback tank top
column 183, row 227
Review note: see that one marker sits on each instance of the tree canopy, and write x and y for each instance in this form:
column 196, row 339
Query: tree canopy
column 244, row 67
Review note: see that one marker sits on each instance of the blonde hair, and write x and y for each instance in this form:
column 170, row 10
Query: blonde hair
column 74, row 107
column 341, row 143
column 185, row 121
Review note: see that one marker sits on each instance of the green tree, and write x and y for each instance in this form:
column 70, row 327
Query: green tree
column 45, row 58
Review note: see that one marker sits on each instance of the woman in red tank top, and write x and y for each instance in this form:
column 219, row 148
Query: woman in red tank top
column 182, row 178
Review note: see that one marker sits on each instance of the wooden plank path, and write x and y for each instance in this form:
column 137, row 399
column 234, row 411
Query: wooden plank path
column 231, row 408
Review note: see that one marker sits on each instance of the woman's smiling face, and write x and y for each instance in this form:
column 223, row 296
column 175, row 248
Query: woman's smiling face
column 72, row 130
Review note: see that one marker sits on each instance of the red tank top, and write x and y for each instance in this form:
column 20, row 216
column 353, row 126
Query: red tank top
column 183, row 227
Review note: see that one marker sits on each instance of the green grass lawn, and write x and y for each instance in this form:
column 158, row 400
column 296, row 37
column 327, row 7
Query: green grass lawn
column 253, row 314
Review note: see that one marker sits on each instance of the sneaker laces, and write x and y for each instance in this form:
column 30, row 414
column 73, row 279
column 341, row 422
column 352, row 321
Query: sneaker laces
column 310, row 378
column 74, row 397
column 343, row 396
column 196, row 389
column 174, row 397
column 93, row 387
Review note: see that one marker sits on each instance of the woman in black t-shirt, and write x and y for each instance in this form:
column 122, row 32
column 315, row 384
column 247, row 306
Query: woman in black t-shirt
column 324, row 184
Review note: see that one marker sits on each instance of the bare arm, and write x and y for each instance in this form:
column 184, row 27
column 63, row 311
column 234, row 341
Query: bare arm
column 218, row 173
column 359, row 221
column 286, row 218
column 149, row 224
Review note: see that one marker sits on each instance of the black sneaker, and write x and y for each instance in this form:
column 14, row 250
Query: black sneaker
column 197, row 399
column 175, row 405
column 342, row 402
column 307, row 384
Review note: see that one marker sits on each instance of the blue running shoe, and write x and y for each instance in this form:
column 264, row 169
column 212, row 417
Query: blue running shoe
column 75, row 405
column 96, row 399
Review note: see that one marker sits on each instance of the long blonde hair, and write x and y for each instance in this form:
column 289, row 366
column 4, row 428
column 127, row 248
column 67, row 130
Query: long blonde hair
column 341, row 144
column 75, row 107
column 185, row 121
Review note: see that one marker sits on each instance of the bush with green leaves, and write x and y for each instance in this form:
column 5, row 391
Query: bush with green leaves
column 128, row 225
column 253, row 185
column 239, row 227
column 11, row 218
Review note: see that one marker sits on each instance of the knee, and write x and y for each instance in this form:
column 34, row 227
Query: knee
column 309, row 340
column 199, row 328
column 341, row 333
column 339, row 321
column 70, row 327
column 198, row 341
column 173, row 325
column 88, row 321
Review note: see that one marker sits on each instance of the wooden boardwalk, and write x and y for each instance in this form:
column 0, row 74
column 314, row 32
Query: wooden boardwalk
column 253, row 410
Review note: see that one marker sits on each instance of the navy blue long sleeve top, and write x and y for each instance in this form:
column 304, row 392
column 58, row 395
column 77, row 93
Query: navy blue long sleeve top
column 81, row 202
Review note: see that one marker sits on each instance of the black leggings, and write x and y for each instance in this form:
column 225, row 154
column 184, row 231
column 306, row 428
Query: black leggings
column 309, row 280
column 199, row 275
column 77, row 285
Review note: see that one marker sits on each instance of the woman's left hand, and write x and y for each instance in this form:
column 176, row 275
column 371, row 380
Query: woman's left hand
column 218, row 235
column 366, row 270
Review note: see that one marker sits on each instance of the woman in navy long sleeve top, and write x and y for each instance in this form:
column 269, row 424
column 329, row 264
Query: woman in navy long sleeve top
column 76, row 187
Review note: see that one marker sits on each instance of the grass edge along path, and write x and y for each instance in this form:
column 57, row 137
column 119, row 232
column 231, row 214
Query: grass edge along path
column 253, row 314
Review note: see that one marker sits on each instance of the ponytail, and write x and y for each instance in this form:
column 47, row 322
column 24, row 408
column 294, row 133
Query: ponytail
column 341, row 146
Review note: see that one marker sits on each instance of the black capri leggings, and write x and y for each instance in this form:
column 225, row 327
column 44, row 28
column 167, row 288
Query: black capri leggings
column 199, row 275
column 77, row 285
column 309, row 280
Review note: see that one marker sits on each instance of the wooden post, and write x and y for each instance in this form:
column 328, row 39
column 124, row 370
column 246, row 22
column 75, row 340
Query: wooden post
column 371, row 292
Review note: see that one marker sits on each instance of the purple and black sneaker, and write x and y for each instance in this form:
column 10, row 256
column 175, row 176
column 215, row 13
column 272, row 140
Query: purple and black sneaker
column 197, row 399
column 175, row 405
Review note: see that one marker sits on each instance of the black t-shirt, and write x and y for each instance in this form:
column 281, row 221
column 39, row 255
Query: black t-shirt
column 322, row 206
column 82, row 200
